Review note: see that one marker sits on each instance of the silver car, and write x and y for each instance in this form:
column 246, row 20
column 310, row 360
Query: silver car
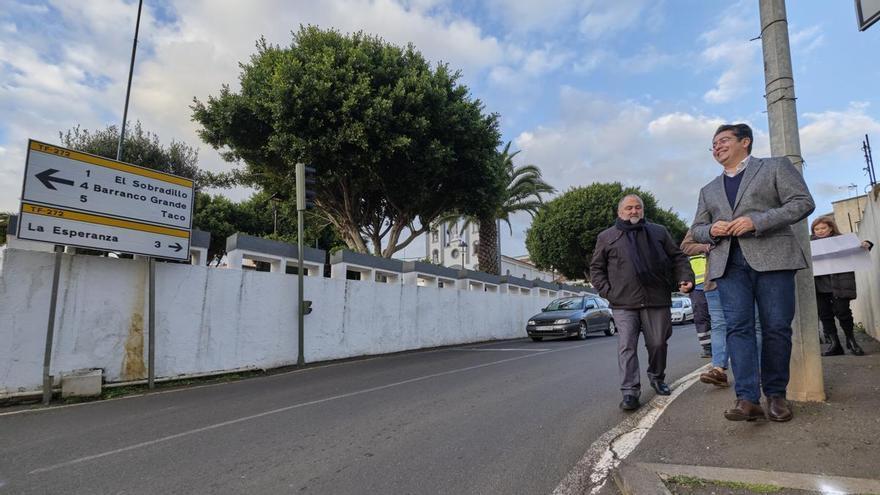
column 681, row 310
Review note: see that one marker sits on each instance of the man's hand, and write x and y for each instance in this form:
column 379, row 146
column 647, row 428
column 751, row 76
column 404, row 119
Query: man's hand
column 740, row 226
column 685, row 287
column 720, row 229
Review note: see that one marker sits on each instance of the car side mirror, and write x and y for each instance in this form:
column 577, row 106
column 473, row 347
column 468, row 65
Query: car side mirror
column 543, row 309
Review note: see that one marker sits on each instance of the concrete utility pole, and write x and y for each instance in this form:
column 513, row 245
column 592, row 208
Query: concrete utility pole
column 807, row 383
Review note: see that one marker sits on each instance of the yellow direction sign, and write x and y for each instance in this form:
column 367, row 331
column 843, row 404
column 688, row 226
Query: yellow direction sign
column 79, row 181
column 72, row 228
column 77, row 199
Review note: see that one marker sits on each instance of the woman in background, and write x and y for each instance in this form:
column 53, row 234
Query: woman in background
column 833, row 294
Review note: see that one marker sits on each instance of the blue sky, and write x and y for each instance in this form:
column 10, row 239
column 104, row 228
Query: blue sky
column 589, row 90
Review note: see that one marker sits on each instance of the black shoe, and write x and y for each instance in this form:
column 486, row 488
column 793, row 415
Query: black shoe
column 834, row 347
column 853, row 346
column 660, row 387
column 629, row 403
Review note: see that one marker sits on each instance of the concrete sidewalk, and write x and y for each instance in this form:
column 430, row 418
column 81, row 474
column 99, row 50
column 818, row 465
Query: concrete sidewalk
column 829, row 447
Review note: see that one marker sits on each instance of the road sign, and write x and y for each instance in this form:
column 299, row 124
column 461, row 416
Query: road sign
column 83, row 200
column 867, row 13
column 86, row 230
column 78, row 181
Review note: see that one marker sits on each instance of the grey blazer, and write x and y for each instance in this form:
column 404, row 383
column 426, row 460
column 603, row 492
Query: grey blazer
column 774, row 195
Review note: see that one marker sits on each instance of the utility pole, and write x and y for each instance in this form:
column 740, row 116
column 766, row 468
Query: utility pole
column 806, row 383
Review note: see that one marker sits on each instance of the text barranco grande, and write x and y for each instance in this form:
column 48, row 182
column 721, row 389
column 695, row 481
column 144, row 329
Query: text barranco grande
column 140, row 197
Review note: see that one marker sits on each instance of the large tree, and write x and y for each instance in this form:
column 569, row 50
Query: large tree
column 563, row 233
column 523, row 187
column 260, row 215
column 396, row 143
column 143, row 148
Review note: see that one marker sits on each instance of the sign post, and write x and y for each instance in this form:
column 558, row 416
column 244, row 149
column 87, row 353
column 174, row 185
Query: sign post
column 77, row 199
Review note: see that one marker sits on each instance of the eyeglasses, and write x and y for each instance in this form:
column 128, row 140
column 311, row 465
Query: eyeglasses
column 720, row 142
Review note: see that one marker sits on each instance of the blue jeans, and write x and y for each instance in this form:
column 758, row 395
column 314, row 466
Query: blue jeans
column 741, row 288
column 719, row 331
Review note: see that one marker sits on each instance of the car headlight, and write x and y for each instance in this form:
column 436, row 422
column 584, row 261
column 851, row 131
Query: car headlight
column 531, row 322
column 562, row 321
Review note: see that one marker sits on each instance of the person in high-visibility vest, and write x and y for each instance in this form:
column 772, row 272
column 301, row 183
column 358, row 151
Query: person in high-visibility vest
column 700, row 306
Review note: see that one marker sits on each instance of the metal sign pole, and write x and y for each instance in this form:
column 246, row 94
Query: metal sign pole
column 50, row 331
column 300, row 359
column 151, row 350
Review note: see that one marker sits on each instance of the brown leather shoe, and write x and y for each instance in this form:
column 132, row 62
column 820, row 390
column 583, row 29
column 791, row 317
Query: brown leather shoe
column 778, row 409
column 715, row 376
column 744, row 410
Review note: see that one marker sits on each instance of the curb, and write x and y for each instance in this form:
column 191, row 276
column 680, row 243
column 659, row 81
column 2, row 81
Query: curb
column 647, row 479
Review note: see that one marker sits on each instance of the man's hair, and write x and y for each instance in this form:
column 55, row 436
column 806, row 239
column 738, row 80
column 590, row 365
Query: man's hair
column 740, row 131
column 827, row 220
column 620, row 203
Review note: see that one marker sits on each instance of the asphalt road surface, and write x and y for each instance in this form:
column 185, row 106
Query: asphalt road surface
column 507, row 417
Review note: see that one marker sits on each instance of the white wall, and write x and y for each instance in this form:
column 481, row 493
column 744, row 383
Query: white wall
column 866, row 308
column 211, row 319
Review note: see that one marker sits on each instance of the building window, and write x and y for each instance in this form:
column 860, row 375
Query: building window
column 476, row 245
column 435, row 235
column 475, row 228
column 435, row 256
column 454, row 254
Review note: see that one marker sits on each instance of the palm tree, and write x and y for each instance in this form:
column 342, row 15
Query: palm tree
column 523, row 189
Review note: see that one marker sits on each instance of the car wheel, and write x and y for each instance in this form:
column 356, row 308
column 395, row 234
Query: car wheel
column 537, row 339
column 612, row 328
column 582, row 330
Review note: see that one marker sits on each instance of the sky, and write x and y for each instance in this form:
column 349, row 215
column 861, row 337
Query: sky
column 588, row 90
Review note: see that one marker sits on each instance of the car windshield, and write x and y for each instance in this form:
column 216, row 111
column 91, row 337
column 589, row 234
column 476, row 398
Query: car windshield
column 677, row 304
column 567, row 303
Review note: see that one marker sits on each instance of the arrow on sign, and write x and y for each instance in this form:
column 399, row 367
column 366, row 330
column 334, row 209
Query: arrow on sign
column 46, row 177
column 176, row 246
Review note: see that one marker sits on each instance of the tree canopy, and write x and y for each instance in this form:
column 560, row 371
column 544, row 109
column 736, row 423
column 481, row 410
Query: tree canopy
column 396, row 143
column 563, row 233
column 143, row 148
column 261, row 216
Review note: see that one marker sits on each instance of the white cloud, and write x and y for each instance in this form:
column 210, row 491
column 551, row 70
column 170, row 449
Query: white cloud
column 806, row 40
column 598, row 140
column 78, row 75
column 728, row 47
column 604, row 18
column 837, row 134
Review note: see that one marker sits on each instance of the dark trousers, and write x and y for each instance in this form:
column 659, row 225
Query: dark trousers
column 701, row 316
column 656, row 324
column 740, row 288
column 831, row 307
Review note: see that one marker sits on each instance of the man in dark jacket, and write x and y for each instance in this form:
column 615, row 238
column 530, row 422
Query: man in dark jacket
column 633, row 266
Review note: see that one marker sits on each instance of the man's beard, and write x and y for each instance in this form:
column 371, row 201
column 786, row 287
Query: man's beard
column 634, row 220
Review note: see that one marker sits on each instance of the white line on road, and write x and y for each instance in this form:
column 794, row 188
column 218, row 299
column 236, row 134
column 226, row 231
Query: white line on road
column 499, row 350
column 289, row 408
column 591, row 471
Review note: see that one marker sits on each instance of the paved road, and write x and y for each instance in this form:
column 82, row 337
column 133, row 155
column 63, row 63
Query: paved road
column 508, row 417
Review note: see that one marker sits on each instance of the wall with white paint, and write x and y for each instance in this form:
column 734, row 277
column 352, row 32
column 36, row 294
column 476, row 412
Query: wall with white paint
column 211, row 319
column 866, row 309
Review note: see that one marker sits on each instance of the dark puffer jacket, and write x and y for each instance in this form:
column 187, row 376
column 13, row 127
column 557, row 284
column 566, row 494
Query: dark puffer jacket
column 613, row 274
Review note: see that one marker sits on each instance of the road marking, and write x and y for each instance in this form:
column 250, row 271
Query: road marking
column 591, row 472
column 522, row 349
column 243, row 419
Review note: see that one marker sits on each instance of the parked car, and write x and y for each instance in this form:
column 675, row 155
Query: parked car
column 572, row 316
column 681, row 310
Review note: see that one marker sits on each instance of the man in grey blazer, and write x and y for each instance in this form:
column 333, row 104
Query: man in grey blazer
column 746, row 214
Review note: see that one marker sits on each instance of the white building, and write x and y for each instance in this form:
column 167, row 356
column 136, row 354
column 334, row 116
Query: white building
column 452, row 245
